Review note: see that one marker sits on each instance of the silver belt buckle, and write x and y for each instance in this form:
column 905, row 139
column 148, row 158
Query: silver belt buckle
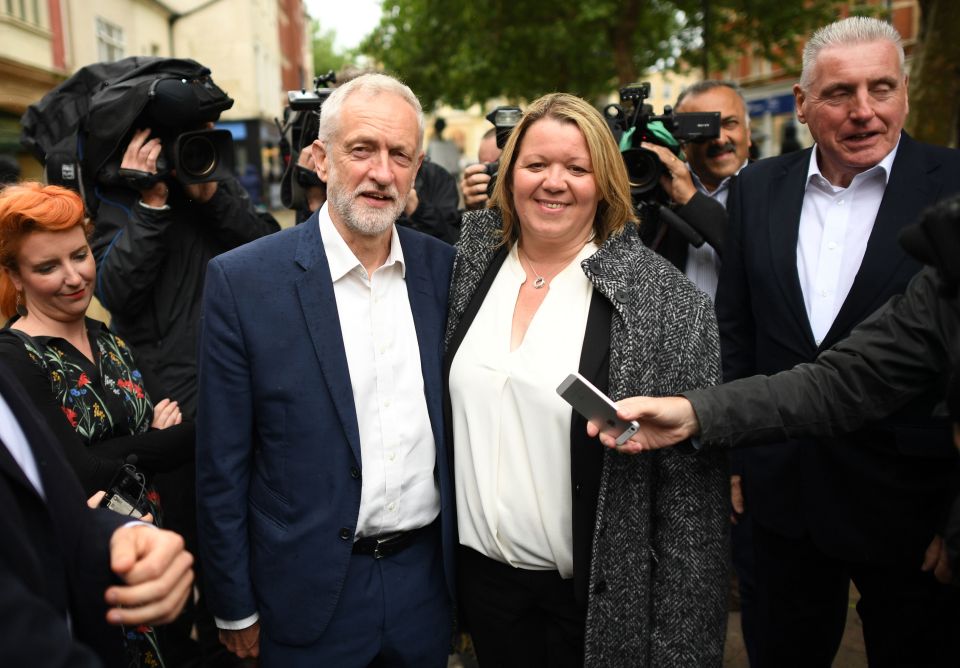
column 381, row 541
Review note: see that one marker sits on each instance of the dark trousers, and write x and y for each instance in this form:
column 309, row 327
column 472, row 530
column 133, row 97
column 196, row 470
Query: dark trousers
column 519, row 617
column 909, row 619
column 392, row 612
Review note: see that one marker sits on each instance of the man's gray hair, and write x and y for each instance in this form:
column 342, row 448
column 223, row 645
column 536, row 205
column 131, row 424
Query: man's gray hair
column 370, row 85
column 852, row 30
column 702, row 87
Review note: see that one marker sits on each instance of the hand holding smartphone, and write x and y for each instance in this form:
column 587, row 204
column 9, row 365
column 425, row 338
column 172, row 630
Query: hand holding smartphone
column 596, row 407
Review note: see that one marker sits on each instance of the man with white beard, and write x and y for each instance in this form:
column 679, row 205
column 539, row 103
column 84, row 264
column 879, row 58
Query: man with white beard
column 325, row 500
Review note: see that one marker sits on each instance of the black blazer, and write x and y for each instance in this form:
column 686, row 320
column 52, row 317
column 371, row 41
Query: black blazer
column 705, row 215
column 586, row 457
column 54, row 559
column 876, row 494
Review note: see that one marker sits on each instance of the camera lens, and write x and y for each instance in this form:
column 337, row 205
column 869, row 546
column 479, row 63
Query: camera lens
column 198, row 157
column 643, row 170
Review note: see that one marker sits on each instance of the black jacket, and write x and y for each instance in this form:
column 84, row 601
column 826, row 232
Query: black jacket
column 703, row 214
column 876, row 495
column 903, row 354
column 54, row 558
column 150, row 270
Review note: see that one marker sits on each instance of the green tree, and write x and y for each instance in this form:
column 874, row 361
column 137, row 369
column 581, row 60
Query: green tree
column 326, row 57
column 461, row 53
column 935, row 75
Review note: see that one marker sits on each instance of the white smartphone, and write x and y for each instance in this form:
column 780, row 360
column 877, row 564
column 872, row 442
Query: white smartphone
column 597, row 407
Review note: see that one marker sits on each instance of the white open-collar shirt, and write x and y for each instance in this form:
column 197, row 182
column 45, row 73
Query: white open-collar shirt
column 398, row 487
column 511, row 430
column 835, row 226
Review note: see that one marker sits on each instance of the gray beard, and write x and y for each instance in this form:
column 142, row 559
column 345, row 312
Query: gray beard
column 360, row 219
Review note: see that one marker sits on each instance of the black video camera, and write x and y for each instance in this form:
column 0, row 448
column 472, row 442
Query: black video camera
column 504, row 119
column 301, row 123
column 639, row 124
column 178, row 112
column 636, row 124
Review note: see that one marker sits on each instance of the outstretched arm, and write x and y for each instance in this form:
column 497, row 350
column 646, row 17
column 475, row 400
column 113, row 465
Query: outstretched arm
column 896, row 355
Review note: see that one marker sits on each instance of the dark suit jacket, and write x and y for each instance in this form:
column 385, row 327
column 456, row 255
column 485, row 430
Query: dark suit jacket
column 54, row 558
column 278, row 447
column 876, row 494
column 703, row 214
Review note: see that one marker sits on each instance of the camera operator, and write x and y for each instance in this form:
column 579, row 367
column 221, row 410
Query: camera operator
column 705, row 176
column 153, row 238
column 476, row 178
column 152, row 247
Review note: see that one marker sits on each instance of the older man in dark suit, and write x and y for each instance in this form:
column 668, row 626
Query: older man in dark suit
column 325, row 501
column 812, row 250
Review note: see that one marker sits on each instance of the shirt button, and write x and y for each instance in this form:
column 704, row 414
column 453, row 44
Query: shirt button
column 823, row 293
column 840, row 202
column 392, row 456
column 354, row 472
column 832, row 245
column 345, row 533
column 391, row 506
column 386, row 404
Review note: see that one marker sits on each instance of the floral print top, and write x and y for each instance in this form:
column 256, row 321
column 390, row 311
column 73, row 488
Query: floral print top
column 101, row 399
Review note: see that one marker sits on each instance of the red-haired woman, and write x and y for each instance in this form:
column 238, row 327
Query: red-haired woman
column 81, row 376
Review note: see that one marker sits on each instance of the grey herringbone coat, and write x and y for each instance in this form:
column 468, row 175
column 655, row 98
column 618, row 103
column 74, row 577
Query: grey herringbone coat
column 658, row 580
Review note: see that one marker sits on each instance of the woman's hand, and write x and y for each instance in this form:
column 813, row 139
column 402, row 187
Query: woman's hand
column 166, row 414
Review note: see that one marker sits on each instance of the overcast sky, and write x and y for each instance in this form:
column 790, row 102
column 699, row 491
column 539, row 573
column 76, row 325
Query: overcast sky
column 351, row 19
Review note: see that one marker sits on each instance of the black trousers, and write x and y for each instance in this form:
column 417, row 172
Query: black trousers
column 519, row 617
column 909, row 619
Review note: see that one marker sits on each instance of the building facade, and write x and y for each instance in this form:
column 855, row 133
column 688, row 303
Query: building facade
column 256, row 50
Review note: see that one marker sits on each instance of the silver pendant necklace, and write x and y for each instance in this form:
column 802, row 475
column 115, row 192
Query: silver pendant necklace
column 539, row 281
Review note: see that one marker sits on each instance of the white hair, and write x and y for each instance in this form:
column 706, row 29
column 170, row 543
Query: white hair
column 852, row 30
column 370, row 85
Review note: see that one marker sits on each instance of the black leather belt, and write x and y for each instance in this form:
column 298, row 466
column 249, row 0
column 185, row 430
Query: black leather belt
column 384, row 546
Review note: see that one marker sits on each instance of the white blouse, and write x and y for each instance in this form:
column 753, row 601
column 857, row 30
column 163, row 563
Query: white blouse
column 511, row 429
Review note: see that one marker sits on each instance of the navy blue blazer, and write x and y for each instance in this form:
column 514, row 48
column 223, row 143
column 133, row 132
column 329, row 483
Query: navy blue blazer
column 278, row 448
column 54, row 556
column 876, row 494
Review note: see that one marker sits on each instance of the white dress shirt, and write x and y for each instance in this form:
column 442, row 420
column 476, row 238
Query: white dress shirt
column 398, row 488
column 703, row 264
column 835, row 226
column 511, row 429
column 12, row 436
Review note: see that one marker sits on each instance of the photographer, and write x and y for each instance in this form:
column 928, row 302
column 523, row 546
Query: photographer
column 704, row 177
column 432, row 204
column 152, row 247
column 476, row 178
